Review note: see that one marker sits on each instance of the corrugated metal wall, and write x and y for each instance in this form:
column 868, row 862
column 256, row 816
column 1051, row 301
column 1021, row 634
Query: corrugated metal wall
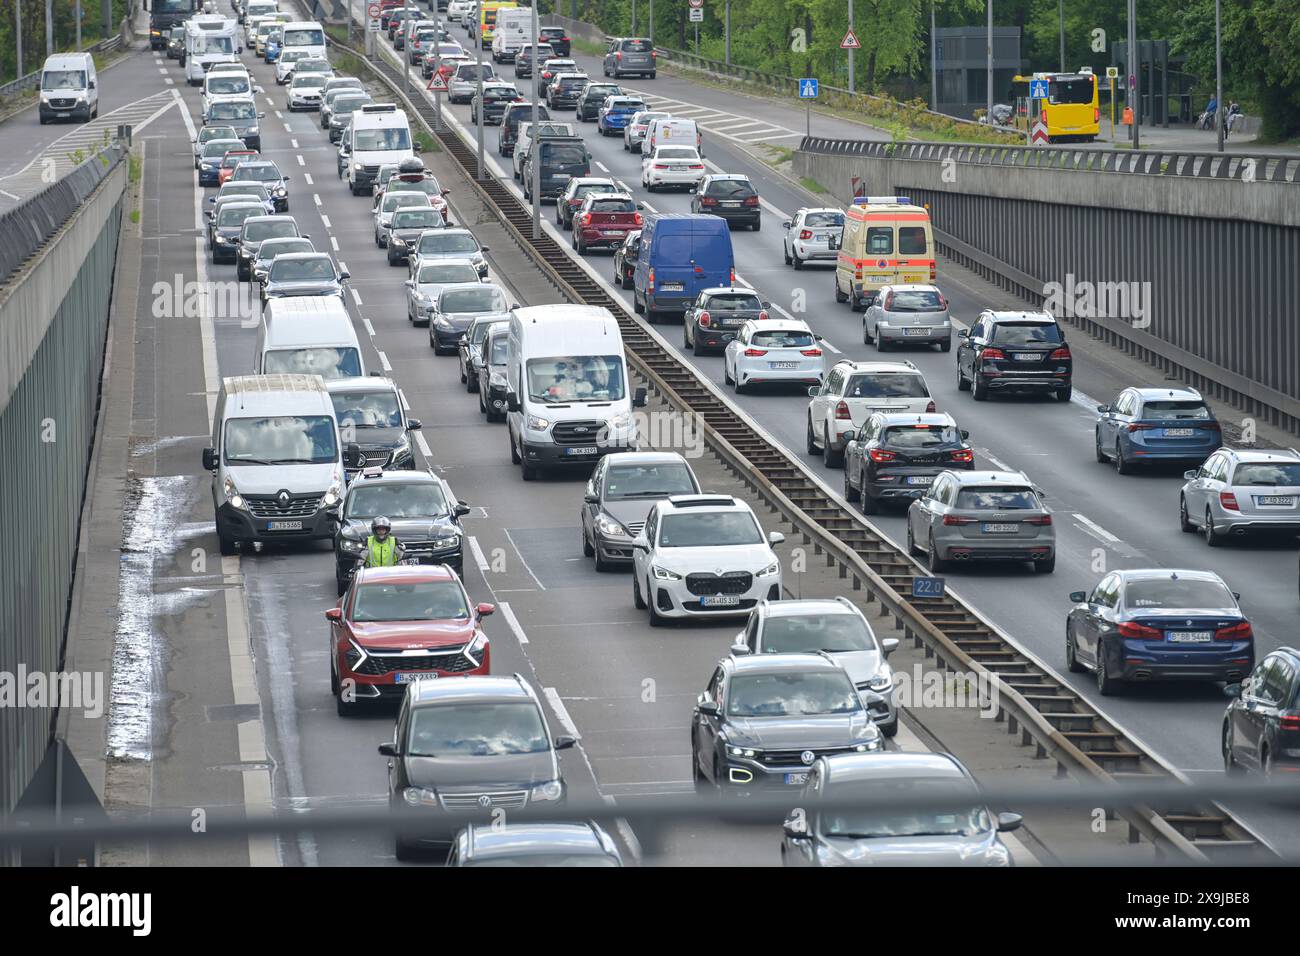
column 46, row 434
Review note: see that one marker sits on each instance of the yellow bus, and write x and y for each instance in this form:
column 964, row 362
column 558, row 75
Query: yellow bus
column 487, row 20
column 1071, row 110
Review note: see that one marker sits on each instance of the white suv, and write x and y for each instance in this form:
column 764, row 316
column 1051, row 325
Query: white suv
column 703, row 556
column 852, row 393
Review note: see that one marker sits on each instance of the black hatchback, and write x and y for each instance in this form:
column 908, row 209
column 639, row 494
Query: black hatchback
column 1014, row 352
column 896, row 456
column 730, row 196
column 558, row 38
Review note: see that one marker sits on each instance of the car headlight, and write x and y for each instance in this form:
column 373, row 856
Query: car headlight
column 233, row 497
column 253, row 131
column 882, row 681
column 331, row 497
column 419, row 797
column 477, row 646
column 396, row 241
column 869, row 743
column 221, row 239
column 351, row 544
column 609, row 527
column 620, row 421
column 547, row 792
column 749, row 753
column 538, row 424
column 663, row 574
column 358, row 167
column 497, row 380
column 771, row 569
column 446, row 541
column 281, row 191
column 441, row 321
column 207, row 167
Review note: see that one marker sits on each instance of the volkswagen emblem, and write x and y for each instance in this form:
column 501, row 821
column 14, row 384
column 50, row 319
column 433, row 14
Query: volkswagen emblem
column 485, row 801
column 283, row 498
column 807, row 757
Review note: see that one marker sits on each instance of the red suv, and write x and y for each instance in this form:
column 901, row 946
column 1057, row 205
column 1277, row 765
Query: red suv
column 604, row 220
column 402, row 624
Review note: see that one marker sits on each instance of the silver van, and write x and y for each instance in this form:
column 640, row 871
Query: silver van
column 69, row 88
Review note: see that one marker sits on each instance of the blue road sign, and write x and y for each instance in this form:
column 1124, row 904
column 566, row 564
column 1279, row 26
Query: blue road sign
column 1038, row 89
column 927, row 587
column 808, row 88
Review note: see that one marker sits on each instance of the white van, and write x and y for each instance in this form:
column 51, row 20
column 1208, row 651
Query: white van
column 69, row 88
column 672, row 132
column 306, row 35
column 379, row 136
column 308, row 335
column 276, row 460
column 568, row 396
column 223, row 84
column 514, row 29
column 209, row 38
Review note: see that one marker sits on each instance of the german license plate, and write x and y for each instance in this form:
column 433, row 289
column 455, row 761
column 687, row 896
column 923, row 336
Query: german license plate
column 1190, row 637
column 1025, row 356
column 581, row 450
column 879, row 278
column 796, row 779
column 412, row 678
column 991, row 527
column 1276, row 501
column 671, row 287
column 916, row 331
column 720, row 600
column 731, row 204
column 613, row 232
column 1179, row 432
column 284, row 526
column 782, row 365
column 920, row 479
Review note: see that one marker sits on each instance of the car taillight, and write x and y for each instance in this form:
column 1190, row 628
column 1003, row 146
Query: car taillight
column 842, row 412
column 1141, row 631
column 660, row 166
column 929, row 409
column 708, row 201
column 618, row 55
column 705, row 320
column 1241, row 631
column 963, row 454
column 762, row 315
column 1061, row 354
column 733, row 275
column 650, row 279
column 1289, row 722
column 812, row 352
column 879, row 454
column 636, row 218
column 957, row 520
column 933, row 275
column 1228, row 501
column 695, row 166
column 586, row 219
column 805, row 233
column 1039, row 520
column 1043, row 115
column 993, row 354
column 653, row 54
column 755, row 353
column 564, row 39
column 751, row 201
column 1096, row 115
column 1139, row 427
column 1211, row 426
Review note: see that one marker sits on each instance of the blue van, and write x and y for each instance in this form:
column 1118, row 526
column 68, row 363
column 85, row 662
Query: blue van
column 680, row 254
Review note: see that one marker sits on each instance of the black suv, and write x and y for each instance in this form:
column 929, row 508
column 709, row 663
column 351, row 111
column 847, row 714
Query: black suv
column 896, row 456
column 592, row 98
column 514, row 114
column 524, row 59
column 563, row 91
column 559, row 40
column 464, row 749
column 714, row 318
column 730, row 196
column 1014, row 352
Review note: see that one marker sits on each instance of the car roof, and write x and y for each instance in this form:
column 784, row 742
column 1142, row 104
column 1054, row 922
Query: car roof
column 717, row 176
column 723, row 289
column 1255, row 455
column 911, row 287
column 807, row 606
column 360, row 383
column 782, row 663
column 398, row 476
column 448, row 261
column 974, row 478
column 1022, row 316
column 819, row 209
column 900, row 367
column 535, row 839
column 779, row 325
column 409, row 573
column 916, row 418
column 278, row 217
column 1153, row 574
column 617, row 194
column 461, row 286
column 1182, row 393
column 643, row 458
column 864, row 768
column 484, row 688
column 300, row 256
column 702, row 502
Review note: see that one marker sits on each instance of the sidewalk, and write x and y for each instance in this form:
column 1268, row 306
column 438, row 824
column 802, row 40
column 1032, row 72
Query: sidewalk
column 1186, row 138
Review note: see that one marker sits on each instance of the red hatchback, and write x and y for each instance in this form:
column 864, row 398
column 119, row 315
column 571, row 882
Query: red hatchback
column 398, row 625
column 232, row 159
column 604, row 220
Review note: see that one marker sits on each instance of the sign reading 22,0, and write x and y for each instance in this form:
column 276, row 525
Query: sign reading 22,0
column 927, row 587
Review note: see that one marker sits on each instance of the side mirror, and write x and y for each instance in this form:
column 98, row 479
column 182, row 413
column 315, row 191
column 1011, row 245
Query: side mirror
column 484, row 248
column 787, row 224
column 639, row 397
column 409, row 283
column 209, row 459
column 814, row 391
column 775, row 537
column 709, row 707
column 795, row 828
column 889, row 645
column 639, row 543
column 286, row 178
column 413, row 424
column 388, row 749
column 965, row 434
column 1232, row 690
column 334, row 615
column 461, row 510
column 512, row 401
column 591, row 498
column 640, row 205
column 740, row 648
column 1236, row 595
column 344, row 276
column 353, row 451
column 1078, row 597
column 446, row 192
column 1189, row 475
column 1009, row 821
column 261, row 115
column 485, row 609
column 565, row 742
column 1103, row 409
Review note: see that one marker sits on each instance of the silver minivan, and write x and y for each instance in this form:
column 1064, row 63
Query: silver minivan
column 630, row 56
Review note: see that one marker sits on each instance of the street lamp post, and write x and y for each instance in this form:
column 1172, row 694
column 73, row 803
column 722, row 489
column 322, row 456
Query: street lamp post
column 479, row 111
column 1221, row 114
column 728, row 32
column 532, row 143
column 988, row 114
column 852, row 78
column 1134, row 100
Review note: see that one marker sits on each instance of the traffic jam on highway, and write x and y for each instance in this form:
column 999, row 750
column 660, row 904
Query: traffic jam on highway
column 315, row 441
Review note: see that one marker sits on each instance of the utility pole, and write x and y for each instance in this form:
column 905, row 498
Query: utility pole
column 934, row 62
column 76, row 12
column 109, row 26
column 727, row 29
column 49, row 27
column 634, row 17
column 1060, row 13
column 1221, row 114
column 536, row 172
column 852, row 77
column 18, row 35
column 437, row 64
column 1133, row 100
column 988, row 114
column 650, row 33
column 479, row 111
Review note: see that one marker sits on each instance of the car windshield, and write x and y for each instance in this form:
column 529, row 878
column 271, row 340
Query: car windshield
column 997, row 499
column 649, row 117
column 599, row 90
column 293, row 270
column 444, row 273
column 676, row 152
column 235, row 215
column 377, row 409
column 613, row 205
column 1026, row 333
column 207, row 44
column 1175, row 592
column 586, row 189
column 294, row 439
column 782, row 339
column 470, row 71
column 483, row 298
column 810, row 633
column 428, row 186
column 626, row 106
column 416, row 500
column 346, row 103
column 918, row 300
column 796, row 694
column 479, row 330
column 648, row 481
column 716, row 529
column 261, row 173
column 500, row 93
column 823, row 219
column 637, row 46
column 227, row 85
column 1175, row 409
column 886, row 385
column 477, row 730
column 398, row 137
column 209, row 133
column 304, row 37
column 243, row 190
column 233, row 159
column 966, row 818
column 1273, row 473
column 1076, row 90
column 406, row 197
column 301, row 80
column 280, row 229
column 340, row 362
column 730, row 188
column 734, row 302
column 919, row 436
column 414, row 601
column 417, row 219
column 586, row 378
column 232, row 111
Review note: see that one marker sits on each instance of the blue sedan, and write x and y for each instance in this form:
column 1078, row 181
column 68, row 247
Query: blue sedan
column 616, row 113
column 1148, row 425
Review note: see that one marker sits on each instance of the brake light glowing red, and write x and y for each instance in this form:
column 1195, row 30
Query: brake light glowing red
column 1061, row 354
column 813, row 352
column 1139, row 631
column 1235, row 632
column 586, row 219
column 842, row 412
column 993, row 354
column 705, row 320
column 650, row 279
column 805, row 233
column 933, row 274
column 733, row 275
column 963, row 454
column 1289, row 722
column 1139, row 427
column 762, row 315
column 636, row 217
column 755, row 353
column 879, row 454
column 1228, row 501
column 708, row 201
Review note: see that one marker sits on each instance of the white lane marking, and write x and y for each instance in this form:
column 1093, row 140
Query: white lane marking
column 5, row 192
column 827, row 345
column 513, row 621
column 736, row 123
column 307, row 177
column 356, row 296
column 383, row 360
column 370, row 329
column 511, row 539
column 170, row 81
column 561, row 711
column 278, row 114
column 293, row 143
column 326, row 220
column 1001, row 466
column 301, row 161
column 1095, row 529
column 764, row 137
column 425, row 450
column 288, row 128
column 477, row 552
column 315, row 197
column 343, row 266
column 601, row 166
column 334, row 244
column 406, row 406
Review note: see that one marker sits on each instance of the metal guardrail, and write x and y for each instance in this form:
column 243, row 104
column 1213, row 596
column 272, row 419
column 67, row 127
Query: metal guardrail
column 1032, row 700
column 1258, row 167
column 28, row 226
column 32, row 80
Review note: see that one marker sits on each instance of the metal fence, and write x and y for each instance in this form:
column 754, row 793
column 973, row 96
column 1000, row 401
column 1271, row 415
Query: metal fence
column 27, row 227
column 1259, row 167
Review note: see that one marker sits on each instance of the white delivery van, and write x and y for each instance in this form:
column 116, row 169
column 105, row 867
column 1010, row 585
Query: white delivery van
column 309, row 335
column 672, row 132
column 69, row 88
column 514, row 29
column 209, row 38
column 568, row 397
column 276, row 460
column 306, row 35
column 379, row 135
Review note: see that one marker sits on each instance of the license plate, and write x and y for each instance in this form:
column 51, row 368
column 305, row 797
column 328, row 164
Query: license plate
column 720, row 600
column 990, row 527
column 783, row 364
column 917, row 278
column 881, row 278
column 613, row 232
column 731, row 204
column 1025, row 356
column 731, row 323
column 284, row 526
column 1179, row 432
column 921, row 331
column 1279, row 501
column 582, row 450
column 412, row 678
column 671, row 287
column 920, row 479
column 62, row 115
column 1190, row 637
column 796, row 779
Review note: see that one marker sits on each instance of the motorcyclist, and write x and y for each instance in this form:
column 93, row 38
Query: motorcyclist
column 383, row 550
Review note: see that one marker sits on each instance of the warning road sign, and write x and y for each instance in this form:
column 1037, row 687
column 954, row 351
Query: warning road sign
column 1038, row 135
column 372, row 10
column 850, row 41
column 696, row 4
column 437, row 83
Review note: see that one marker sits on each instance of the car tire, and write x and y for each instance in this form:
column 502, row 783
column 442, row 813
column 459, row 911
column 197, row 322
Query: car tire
column 881, row 344
column 756, row 225
column 656, row 619
column 834, row 458
column 404, row 852
column 1121, row 463
column 811, row 440
column 963, row 383
column 737, row 387
column 933, row 562
column 1184, row 521
column 637, row 305
column 587, row 550
column 945, row 345
column 870, row 505
column 1230, row 766
column 979, row 391
column 850, row 493
column 527, row 471
column 785, row 254
column 890, row 729
column 514, row 449
column 341, row 584
column 911, row 541
column 637, row 599
column 1212, row 536
column 1045, row 566
column 1107, row 686
column 1071, row 656
column 796, row 261
column 1064, row 394
column 1101, row 455
column 345, row 708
